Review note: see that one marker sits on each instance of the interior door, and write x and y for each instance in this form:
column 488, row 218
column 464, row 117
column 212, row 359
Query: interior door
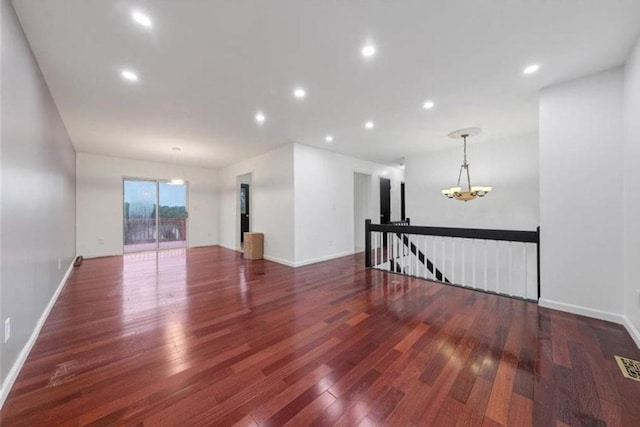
column 244, row 210
column 385, row 200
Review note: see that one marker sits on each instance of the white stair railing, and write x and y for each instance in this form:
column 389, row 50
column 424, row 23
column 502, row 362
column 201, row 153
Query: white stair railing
column 496, row 261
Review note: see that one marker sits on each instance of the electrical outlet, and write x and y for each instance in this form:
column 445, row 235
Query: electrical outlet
column 7, row 329
column 59, row 263
column 101, row 241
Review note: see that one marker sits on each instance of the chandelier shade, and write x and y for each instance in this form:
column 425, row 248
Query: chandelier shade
column 471, row 192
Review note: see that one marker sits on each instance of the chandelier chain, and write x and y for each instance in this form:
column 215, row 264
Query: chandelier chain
column 464, row 139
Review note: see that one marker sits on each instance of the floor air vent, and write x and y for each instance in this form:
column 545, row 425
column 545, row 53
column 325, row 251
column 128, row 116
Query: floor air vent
column 630, row 368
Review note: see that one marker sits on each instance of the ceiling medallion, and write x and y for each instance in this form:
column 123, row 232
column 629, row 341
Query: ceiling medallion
column 471, row 192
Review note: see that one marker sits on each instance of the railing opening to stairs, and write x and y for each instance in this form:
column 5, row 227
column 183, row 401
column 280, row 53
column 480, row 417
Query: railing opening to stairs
column 505, row 262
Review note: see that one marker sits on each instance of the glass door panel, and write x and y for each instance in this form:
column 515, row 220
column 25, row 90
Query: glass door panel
column 172, row 215
column 140, row 230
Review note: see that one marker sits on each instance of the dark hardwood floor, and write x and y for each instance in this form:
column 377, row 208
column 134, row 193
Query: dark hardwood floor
column 203, row 337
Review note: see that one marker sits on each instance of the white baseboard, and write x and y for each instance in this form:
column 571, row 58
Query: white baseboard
column 22, row 357
column 633, row 331
column 101, row 255
column 583, row 311
column 203, row 245
column 279, row 261
column 291, row 263
column 322, row 259
column 267, row 257
column 231, row 248
column 596, row 314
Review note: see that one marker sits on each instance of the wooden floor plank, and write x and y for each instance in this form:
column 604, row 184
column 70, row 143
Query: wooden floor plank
column 204, row 337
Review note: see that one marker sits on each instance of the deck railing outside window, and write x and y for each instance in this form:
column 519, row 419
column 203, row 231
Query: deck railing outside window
column 143, row 230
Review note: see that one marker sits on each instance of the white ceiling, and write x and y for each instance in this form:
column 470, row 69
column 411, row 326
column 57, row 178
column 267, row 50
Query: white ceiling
column 206, row 67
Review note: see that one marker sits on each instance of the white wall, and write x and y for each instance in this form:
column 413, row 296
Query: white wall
column 271, row 202
column 581, row 195
column 324, row 201
column 99, row 201
column 509, row 166
column 4, row 5
column 38, row 198
column 631, row 187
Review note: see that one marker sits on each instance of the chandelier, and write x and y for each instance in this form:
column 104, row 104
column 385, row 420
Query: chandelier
column 471, row 192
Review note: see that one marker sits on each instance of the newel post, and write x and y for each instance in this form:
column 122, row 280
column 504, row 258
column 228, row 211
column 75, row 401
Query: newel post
column 367, row 243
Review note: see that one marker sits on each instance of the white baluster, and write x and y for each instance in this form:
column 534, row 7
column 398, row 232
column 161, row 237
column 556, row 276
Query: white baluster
column 510, row 269
column 416, row 268
column 453, row 260
column 526, row 275
column 485, row 266
column 381, row 243
column 381, row 248
column 394, row 254
column 392, row 242
column 388, row 247
column 425, row 244
column 375, row 248
column 464, row 281
column 409, row 255
column 497, row 267
column 473, row 257
column 407, row 249
column 382, row 252
column 433, row 244
column 444, row 260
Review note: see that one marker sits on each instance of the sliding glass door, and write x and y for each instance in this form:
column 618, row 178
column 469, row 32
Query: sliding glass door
column 172, row 215
column 155, row 215
column 140, row 201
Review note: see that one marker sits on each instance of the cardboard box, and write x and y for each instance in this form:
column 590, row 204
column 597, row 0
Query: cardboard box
column 253, row 245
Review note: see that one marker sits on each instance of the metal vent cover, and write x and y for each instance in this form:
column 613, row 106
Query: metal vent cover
column 630, row 368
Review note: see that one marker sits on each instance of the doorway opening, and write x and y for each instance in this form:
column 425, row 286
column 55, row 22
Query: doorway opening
column 244, row 206
column 154, row 215
column 361, row 207
column 403, row 212
column 385, row 204
column 385, row 200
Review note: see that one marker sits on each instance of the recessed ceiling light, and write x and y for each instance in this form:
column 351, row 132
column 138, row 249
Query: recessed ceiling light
column 141, row 18
column 328, row 138
column 368, row 51
column 299, row 93
column 428, row 105
column 531, row 69
column 369, row 125
column 260, row 118
column 129, row 75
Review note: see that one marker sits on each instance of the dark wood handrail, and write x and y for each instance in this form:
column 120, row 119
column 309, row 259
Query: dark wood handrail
column 466, row 233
